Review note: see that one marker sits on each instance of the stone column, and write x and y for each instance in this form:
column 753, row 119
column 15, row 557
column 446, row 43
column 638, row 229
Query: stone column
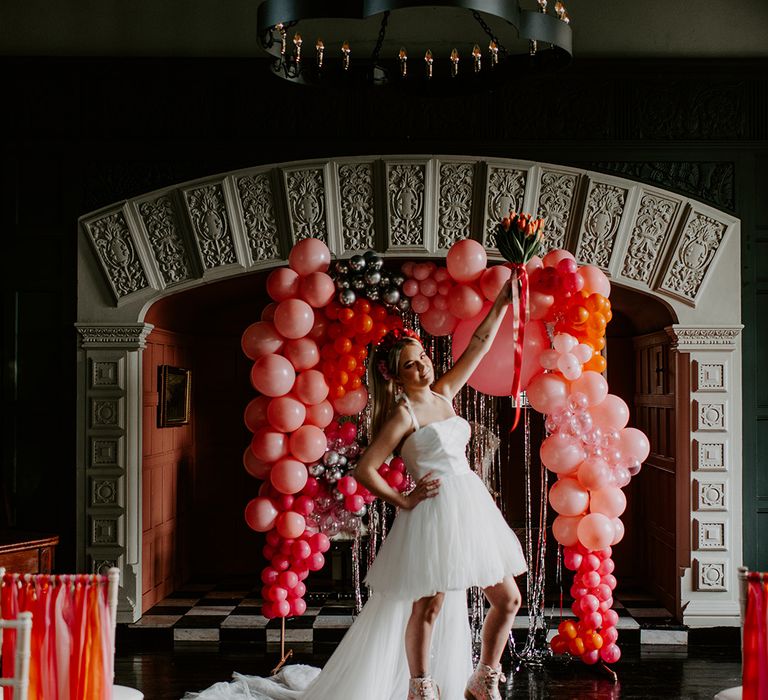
column 709, row 585
column 109, row 429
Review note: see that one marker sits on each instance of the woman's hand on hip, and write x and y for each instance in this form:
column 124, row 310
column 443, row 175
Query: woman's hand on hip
column 426, row 487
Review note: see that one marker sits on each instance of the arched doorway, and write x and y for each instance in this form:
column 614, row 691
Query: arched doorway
column 661, row 245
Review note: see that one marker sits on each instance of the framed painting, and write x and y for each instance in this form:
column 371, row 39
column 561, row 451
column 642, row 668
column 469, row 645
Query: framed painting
column 175, row 392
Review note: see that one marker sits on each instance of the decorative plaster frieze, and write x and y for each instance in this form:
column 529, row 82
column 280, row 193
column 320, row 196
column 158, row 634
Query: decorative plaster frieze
column 406, row 184
column 107, row 374
column 211, row 224
column 104, row 491
column 688, row 338
column 305, row 190
column 556, row 194
column 131, row 336
column 257, row 203
column 358, row 213
column 710, row 415
column 603, row 211
column 454, row 208
column 164, row 234
column 505, row 192
column 692, row 256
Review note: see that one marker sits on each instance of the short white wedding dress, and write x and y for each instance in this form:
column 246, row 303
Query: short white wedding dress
column 445, row 544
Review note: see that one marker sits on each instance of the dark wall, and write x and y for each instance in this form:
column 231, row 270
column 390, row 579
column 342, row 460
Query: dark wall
column 78, row 134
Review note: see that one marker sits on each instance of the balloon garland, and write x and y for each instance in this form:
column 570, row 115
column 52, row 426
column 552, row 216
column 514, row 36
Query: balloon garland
column 310, row 350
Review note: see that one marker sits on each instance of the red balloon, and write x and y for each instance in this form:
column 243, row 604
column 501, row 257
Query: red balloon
column 269, row 576
column 256, row 413
column 282, row 283
column 260, row 514
column 304, row 505
column 319, row 542
column 288, row 579
column 302, row 353
column 300, row 549
column 311, row 387
column 317, row 289
column 308, row 256
column 261, row 338
column 256, row 468
column 298, row 606
column 316, row 561
column 272, row 375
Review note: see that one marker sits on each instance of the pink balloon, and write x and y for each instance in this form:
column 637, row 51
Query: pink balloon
column 634, row 444
column 288, row 476
column 548, row 358
column 495, row 373
column 464, row 302
column 618, row 531
column 311, row 387
column 571, row 559
column 535, row 263
column 283, row 283
column 255, row 414
column 420, row 303
column 590, row 579
column 269, row 445
column 319, row 542
column 594, row 473
column 410, row 287
column 553, row 257
column 441, row 275
column 562, row 453
column 466, row 260
column 260, row 514
column 595, row 531
column 610, row 414
column 261, row 338
column 308, row 443
column 439, row 302
column 268, row 312
column 308, row 256
column 288, row 579
column 320, row 414
column 354, row 503
column 272, row 375
column 539, row 305
column 595, row 281
column 568, row 497
column 565, row 529
column 290, row 525
column 285, row 413
column 300, row 549
column 302, row 353
column 294, row 318
column 316, row 561
column 347, row 485
column 256, row 468
column 317, row 289
column 609, row 501
column 493, row 279
column 438, row 322
column 407, row 268
column 298, row 606
column 352, row 402
column 610, row 654
column 592, row 385
column 428, row 287
column 548, row 393
column 304, row 504
column 569, row 366
column 421, row 271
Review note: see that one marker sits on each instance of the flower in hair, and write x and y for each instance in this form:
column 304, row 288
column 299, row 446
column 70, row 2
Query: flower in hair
column 390, row 339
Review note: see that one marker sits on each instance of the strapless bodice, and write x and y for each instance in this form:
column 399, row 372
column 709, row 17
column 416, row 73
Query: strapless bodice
column 439, row 447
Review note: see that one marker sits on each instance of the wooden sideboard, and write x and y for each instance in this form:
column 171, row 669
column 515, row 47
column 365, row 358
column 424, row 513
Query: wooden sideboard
column 27, row 552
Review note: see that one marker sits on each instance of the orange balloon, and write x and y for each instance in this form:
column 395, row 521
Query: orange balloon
column 596, row 321
column 596, row 364
column 608, row 315
column 576, row 646
column 363, row 323
column 567, row 629
column 346, row 316
column 592, row 641
column 596, row 302
column 338, row 391
column 379, row 313
column 577, row 315
column 355, row 383
column 341, row 377
column 362, row 306
column 558, row 645
column 348, row 363
column 597, row 343
column 342, row 345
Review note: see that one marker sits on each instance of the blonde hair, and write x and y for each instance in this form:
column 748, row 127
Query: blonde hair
column 383, row 390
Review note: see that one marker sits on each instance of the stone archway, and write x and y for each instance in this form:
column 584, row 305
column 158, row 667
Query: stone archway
column 680, row 251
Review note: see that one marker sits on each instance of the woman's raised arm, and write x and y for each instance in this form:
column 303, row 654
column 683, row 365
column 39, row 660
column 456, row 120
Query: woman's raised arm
column 451, row 382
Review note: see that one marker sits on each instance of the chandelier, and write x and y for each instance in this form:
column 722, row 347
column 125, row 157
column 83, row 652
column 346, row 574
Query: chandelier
column 472, row 43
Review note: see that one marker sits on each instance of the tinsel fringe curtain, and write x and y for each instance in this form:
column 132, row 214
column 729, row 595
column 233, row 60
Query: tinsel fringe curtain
column 755, row 666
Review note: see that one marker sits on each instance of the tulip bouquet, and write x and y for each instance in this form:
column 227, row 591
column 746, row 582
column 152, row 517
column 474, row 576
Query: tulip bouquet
column 519, row 237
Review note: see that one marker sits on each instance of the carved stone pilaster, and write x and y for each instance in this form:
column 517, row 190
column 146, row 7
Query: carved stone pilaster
column 709, row 590
column 109, row 423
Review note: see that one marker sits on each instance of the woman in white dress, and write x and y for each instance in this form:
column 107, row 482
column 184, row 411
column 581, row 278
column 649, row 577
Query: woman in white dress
column 413, row 633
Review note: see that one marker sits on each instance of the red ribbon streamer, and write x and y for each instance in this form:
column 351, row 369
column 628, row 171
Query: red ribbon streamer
column 520, row 318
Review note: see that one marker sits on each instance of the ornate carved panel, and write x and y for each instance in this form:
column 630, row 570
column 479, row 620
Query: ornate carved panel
column 556, row 193
column 104, row 491
column 710, row 454
column 105, row 531
column 116, row 250
column 711, row 576
column 454, row 213
column 653, row 222
column 105, row 413
column 102, row 566
column 211, row 224
column 710, row 495
column 258, row 207
column 405, row 203
column 164, row 235
column 710, row 376
column 106, row 374
column 357, row 206
column 710, row 415
column 505, row 193
column 305, row 190
column 693, row 255
column 709, row 536
column 600, row 223
column 105, row 452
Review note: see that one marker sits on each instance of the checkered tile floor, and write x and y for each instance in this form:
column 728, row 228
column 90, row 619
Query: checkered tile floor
column 231, row 612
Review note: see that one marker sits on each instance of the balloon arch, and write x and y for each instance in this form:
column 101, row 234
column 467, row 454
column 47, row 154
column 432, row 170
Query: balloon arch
column 310, row 351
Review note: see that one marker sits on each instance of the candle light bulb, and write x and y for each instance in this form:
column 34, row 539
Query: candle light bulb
column 561, row 13
column 477, row 54
column 346, row 51
column 454, row 63
column 429, row 61
column 283, row 37
column 494, row 49
column 320, row 48
column 297, row 41
column 403, row 56
column 542, row 5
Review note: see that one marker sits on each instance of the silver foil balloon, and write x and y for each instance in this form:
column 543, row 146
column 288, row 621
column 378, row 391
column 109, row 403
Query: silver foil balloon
column 341, row 267
column 385, row 280
column 357, row 263
column 372, row 277
column 341, row 283
column 404, row 304
column 331, row 458
column 374, row 262
column 398, row 280
column 372, row 293
column 358, row 281
column 338, row 495
column 391, row 296
column 347, row 297
column 316, row 470
column 360, row 513
column 342, row 461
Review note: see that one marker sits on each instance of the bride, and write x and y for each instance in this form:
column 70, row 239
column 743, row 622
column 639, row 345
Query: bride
column 413, row 635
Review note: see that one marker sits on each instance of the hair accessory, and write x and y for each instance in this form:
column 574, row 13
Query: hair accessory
column 388, row 341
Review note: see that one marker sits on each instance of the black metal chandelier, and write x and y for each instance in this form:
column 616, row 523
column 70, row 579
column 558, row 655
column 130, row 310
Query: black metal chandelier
column 395, row 42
